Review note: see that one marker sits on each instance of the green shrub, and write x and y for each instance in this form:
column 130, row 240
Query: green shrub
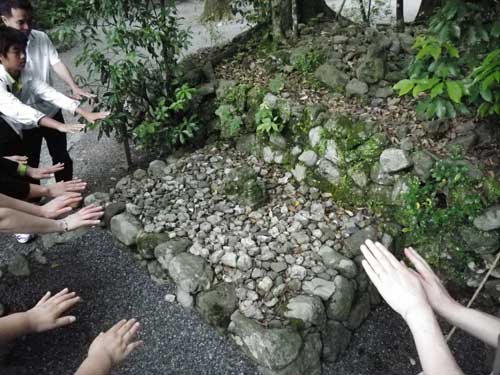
column 433, row 212
column 308, row 62
column 447, row 74
column 268, row 120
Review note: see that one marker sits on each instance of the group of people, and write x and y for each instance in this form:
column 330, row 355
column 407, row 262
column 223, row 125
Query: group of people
column 30, row 111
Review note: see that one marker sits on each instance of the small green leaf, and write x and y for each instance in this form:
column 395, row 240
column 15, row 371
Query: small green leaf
column 486, row 93
column 404, row 86
column 454, row 91
column 437, row 90
column 440, row 108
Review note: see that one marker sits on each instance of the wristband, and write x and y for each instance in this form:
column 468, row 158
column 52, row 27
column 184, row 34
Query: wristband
column 22, row 169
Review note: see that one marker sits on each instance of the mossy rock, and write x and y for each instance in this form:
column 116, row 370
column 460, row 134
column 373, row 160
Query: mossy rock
column 349, row 134
column 147, row 242
column 217, row 305
column 244, row 186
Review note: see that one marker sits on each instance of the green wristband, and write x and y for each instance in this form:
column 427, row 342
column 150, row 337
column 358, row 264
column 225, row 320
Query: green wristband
column 22, row 169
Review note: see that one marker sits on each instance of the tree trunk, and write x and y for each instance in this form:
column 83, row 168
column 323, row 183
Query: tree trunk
column 308, row 9
column 216, row 10
column 400, row 17
column 282, row 14
column 426, row 9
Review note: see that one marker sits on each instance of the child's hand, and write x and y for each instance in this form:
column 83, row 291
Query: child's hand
column 18, row 159
column 92, row 117
column 397, row 284
column 63, row 187
column 113, row 346
column 46, row 315
column 43, row 173
column 87, row 217
column 71, row 128
column 437, row 295
column 60, row 205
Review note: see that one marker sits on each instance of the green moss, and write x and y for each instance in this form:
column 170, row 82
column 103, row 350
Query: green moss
column 491, row 187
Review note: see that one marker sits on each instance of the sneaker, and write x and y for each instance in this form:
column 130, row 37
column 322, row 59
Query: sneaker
column 24, row 237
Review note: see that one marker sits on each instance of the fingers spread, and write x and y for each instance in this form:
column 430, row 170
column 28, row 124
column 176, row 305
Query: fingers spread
column 44, row 299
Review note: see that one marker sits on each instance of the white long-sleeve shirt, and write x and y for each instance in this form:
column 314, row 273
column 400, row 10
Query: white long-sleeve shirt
column 15, row 94
column 41, row 55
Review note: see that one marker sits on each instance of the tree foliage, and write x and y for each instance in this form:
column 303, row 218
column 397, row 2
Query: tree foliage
column 454, row 70
column 133, row 49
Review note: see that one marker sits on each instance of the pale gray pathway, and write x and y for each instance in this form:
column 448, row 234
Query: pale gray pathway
column 112, row 287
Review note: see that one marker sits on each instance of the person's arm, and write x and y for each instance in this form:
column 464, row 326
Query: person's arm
column 12, row 221
column 50, row 210
column 483, row 326
column 51, row 95
column 110, row 348
column 63, row 72
column 402, row 290
column 57, row 189
column 13, row 166
column 46, row 315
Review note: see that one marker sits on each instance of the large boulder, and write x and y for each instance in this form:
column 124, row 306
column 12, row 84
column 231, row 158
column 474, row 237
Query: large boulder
column 480, row 242
column 337, row 261
column 371, row 69
column 331, row 76
column 335, row 340
column 355, row 87
column 329, row 171
column 147, row 242
column 156, row 168
column 359, row 312
column 192, row 274
column 319, row 287
column 352, row 244
column 244, row 186
column 394, row 160
column 307, row 362
column 126, row 228
column 489, row 219
column 217, row 305
column 307, row 309
column 166, row 251
column 272, row 349
column 340, row 304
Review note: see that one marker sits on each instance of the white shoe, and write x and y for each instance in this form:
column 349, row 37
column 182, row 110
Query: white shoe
column 24, row 237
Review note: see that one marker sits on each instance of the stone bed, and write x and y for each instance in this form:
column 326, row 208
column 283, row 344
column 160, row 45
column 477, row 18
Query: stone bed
column 275, row 265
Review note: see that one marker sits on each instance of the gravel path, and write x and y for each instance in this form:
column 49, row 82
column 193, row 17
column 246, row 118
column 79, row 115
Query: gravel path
column 113, row 286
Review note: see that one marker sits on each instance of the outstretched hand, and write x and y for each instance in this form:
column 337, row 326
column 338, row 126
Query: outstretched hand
column 79, row 93
column 87, row 217
column 46, row 315
column 92, row 117
column 71, row 128
column 64, row 187
column 117, row 343
column 397, row 284
column 43, row 173
column 60, row 205
column 437, row 295
column 18, row 159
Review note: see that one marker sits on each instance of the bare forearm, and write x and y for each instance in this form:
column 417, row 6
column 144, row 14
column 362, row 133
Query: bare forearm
column 13, row 326
column 435, row 356
column 50, row 123
column 95, row 366
column 16, row 204
column 63, row 72
column 14, row 221
column 483, row 326
column 37, row 191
